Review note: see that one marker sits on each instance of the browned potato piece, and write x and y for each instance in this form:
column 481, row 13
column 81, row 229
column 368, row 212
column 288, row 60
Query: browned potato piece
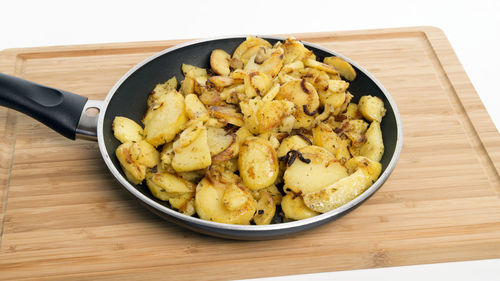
column 219, row 140
column 227, row 114
column 162, row 123
column 219, row 61
column 260, row 81
column 322, row 170
column 291, row 143
column 191, row 149
column 372, row 108
column 273, row 64
column 374, row 145
column 258, row 163
column 221, row 81
column 325, row 137
column 294, row 208
column 135, row 158
column 161, row 89
column 165, row 185
column 271, row 113
column 320, row 66
column 211, row 197
column 195, row 109
column 249, row 43
column 344, row 68
column 305, row 98
column 346, row 189
column 266, row 208
column 295, row 51
column 126, row 129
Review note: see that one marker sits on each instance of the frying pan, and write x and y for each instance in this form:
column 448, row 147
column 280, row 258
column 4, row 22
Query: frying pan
column 72, row 116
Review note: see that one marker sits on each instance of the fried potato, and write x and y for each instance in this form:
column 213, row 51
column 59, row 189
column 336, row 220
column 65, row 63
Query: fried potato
column 372, row 108
column 219, row 140
column 162, row 89
column 195, row 109
column 210, row 205
column 325, row 137
column 257, row 163
column 164, row 120
column 345, row 189
column 135, row 158
column 295, row 209
column 126, row 129
column 374, row 145
column 295, row 142
column 191, row 149
column 344, row 68
column 266, row 208
column 294, row 51
column 227, row 114
column 249, row 43
column 321, row 170
column 219, row 61
column 305, row 98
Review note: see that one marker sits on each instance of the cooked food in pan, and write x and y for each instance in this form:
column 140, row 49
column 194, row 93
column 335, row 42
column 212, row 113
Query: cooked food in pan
column 268, row 134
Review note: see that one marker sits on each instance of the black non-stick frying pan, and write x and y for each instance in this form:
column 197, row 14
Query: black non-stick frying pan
column 72, row 116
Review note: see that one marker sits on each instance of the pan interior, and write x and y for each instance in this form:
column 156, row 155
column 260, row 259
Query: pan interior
column 129, row 98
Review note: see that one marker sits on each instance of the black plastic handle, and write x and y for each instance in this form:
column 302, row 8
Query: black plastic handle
column 58, row 109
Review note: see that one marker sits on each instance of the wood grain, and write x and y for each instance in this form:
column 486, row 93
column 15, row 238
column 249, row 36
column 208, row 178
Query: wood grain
column 64, row 216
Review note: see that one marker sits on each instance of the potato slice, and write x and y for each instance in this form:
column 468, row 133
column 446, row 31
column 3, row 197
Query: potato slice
column 260, row 81
column 219, row 140
column 266, row 208
column 195, row 109
column 249, row 109
column 162, row 89
column 344, row 68
column 325, row 137
column 320, row 66
column 294, row 51
column 304, row 96
column 221, row 81
column 227, row 114
column 234, row 197
column 126, row 129
column 372, row 108
column 271, row 113
column 322, row 170
column 273, row 64
column 165, row 185
column 294, row 208
column 344, row 190
column 209, row 203
column 193, row 71
column 352, row 111
column 191, row 149
column 219, row 61
column 291, row 143
column 372, row 168
column 258, row 163
column 249, row 43
column 183, row 203
column 135, row 158
column 374, row 145
column 165, row 121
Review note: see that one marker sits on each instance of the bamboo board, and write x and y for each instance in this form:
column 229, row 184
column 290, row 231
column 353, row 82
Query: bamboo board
column 63, row 216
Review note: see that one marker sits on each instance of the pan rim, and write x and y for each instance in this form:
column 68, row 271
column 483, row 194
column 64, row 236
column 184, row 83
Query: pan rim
column 249, row 228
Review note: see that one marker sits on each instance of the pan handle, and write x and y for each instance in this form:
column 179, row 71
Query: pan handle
column 58, row 109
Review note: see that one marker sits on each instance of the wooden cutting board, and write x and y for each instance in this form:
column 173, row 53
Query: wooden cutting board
column 65, row 217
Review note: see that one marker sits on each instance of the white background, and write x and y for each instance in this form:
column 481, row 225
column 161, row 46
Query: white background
column 473, row 28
